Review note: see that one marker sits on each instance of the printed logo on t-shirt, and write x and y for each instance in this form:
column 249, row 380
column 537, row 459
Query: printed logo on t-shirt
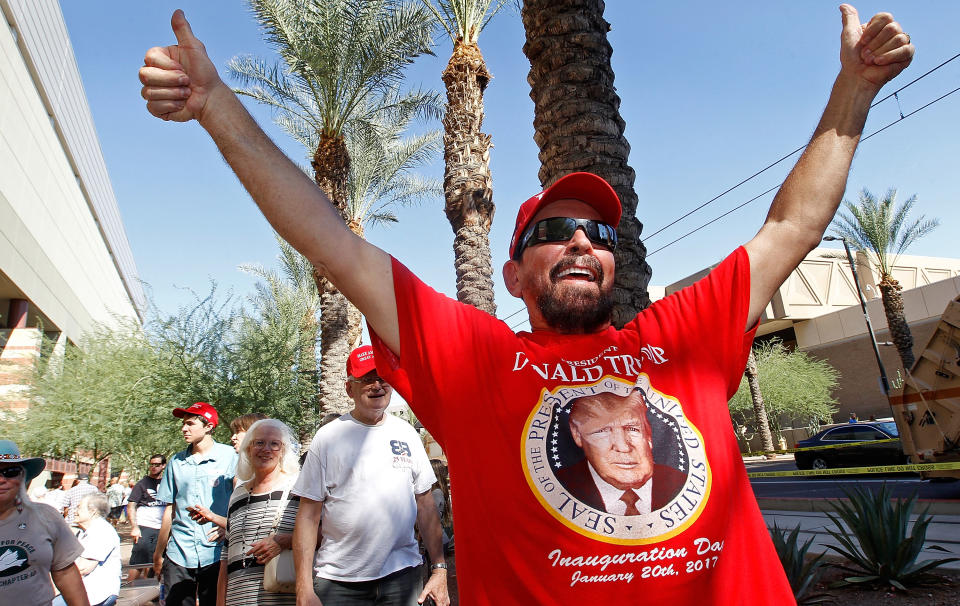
column 14, row 559
column 616, row 460
column 402, row 455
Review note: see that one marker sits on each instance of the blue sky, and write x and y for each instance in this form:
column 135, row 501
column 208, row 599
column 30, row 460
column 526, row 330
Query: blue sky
column 711, row 93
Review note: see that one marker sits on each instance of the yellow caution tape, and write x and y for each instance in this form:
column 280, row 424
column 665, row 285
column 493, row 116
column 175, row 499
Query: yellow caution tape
column 857, row 470
column 829, row 446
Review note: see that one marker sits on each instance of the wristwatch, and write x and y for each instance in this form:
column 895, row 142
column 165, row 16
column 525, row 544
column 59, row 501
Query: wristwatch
column 442, row 565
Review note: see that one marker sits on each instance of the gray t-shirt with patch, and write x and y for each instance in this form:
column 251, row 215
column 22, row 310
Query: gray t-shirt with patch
column 33, row 543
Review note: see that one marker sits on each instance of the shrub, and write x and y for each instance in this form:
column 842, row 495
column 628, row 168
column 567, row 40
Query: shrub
column 877, row 545
column 802, row 572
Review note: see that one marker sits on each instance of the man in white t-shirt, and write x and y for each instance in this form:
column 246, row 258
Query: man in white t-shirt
column 368, row 477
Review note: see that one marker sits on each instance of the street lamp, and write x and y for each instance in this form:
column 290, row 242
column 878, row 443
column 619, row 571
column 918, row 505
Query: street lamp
column 866, row 315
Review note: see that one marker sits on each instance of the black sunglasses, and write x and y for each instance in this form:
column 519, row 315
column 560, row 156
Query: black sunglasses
column 561, row 229
column 11, row 472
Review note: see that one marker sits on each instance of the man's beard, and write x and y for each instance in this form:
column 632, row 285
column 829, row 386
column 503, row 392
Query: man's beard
column 579, row 311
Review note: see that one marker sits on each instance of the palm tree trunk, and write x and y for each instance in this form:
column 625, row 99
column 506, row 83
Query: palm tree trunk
column 339, row 334
column 339, row 319
column 578, row 126
column 759, row 409
column 896, row 321
column 466, row 178
column 307, row 364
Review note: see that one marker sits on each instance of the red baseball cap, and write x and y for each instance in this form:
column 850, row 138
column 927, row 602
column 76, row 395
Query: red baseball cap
column 361, row 361
column 587, row 187
column 201, row 409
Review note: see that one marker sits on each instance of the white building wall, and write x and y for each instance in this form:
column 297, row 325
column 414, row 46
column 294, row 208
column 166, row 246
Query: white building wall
column 62, row 241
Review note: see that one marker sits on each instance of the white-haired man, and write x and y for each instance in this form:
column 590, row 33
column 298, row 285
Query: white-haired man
column 497, row 401
column 368, row 479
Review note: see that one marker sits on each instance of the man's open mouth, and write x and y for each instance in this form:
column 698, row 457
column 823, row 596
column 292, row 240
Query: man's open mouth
column 578, row 273
column 586, row 269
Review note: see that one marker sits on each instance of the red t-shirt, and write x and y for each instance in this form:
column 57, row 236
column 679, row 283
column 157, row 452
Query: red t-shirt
column 530, row 515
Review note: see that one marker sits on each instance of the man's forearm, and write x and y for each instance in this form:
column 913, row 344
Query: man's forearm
column 291, row 202
column 132, row 514
column 305, row 544
column 164, row 535
column 431, row 531
column 302, row 214
column 812, row 191
column 810, row 195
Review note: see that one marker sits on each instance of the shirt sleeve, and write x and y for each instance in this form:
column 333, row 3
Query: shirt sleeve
column 311, row 483
column 708, row 320
column 66, row 547
column 97, row 543
column 137, row 493
column 166, row 490
column 423, row 478
column 436, row 334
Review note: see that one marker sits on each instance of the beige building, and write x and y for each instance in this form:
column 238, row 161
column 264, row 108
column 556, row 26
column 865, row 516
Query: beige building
column 65, row 263
column 817, row 311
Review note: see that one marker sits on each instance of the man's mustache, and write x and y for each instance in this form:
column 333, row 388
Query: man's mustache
column 571, row 261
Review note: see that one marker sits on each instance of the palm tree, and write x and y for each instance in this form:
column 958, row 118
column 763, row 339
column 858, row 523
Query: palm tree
column 341, row 64
column 578, row 126
column 466, row 150
column 881, row 230
column 290, row 296
column 759, row 408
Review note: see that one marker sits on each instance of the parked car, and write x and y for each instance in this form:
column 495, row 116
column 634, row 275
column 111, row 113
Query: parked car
column 886, row 453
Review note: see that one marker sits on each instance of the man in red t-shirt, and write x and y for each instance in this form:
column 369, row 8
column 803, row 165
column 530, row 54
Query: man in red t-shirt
column 502, row 404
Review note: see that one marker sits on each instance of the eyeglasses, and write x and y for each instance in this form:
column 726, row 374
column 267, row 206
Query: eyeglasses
column 11, row 472
column 561, row 229
column 368, row 380
column 274, row 445
column 157, row 464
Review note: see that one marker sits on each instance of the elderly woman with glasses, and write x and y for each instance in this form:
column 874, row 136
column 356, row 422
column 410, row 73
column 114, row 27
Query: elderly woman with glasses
column 36, row 545
column 261, row 515
column 100, row 561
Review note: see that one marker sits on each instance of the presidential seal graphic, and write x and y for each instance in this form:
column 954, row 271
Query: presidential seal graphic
column 616, row 461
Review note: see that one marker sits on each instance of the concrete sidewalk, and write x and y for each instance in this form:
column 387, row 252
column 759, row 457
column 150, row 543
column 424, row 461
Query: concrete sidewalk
column 944, row 531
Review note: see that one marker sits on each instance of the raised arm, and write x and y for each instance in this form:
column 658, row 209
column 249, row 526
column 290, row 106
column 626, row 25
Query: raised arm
column 182, row 84
column 870, row 56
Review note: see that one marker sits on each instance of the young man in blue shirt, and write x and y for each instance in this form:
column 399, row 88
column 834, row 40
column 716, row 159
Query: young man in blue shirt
column 201, row 476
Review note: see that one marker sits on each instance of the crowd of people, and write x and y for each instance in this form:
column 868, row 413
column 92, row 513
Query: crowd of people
column 582, row 453
column 213, row 517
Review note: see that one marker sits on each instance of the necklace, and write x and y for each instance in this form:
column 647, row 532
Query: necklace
column 243, row 536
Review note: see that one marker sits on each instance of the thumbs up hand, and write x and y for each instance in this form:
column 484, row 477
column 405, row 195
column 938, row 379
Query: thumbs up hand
column 876, row 51
column 179, row 79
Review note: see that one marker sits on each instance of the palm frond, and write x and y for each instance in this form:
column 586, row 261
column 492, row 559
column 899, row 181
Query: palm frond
column 880, row 228
column 383, row 161
column 333, row 54
column 463, row 20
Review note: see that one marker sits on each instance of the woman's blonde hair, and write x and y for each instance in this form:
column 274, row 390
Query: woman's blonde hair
column 289, row 452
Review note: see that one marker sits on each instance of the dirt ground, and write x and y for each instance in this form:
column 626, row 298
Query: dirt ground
column 942, row 589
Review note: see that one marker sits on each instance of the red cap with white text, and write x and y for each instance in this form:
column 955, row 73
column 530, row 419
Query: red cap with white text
column 201, row 409
column 361, row 361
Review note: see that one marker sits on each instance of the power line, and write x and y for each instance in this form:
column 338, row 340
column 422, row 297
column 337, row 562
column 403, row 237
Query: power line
column 771, row 165
column 505, row 318
column 516, row 326
column 739, row 206
column 784, row 157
